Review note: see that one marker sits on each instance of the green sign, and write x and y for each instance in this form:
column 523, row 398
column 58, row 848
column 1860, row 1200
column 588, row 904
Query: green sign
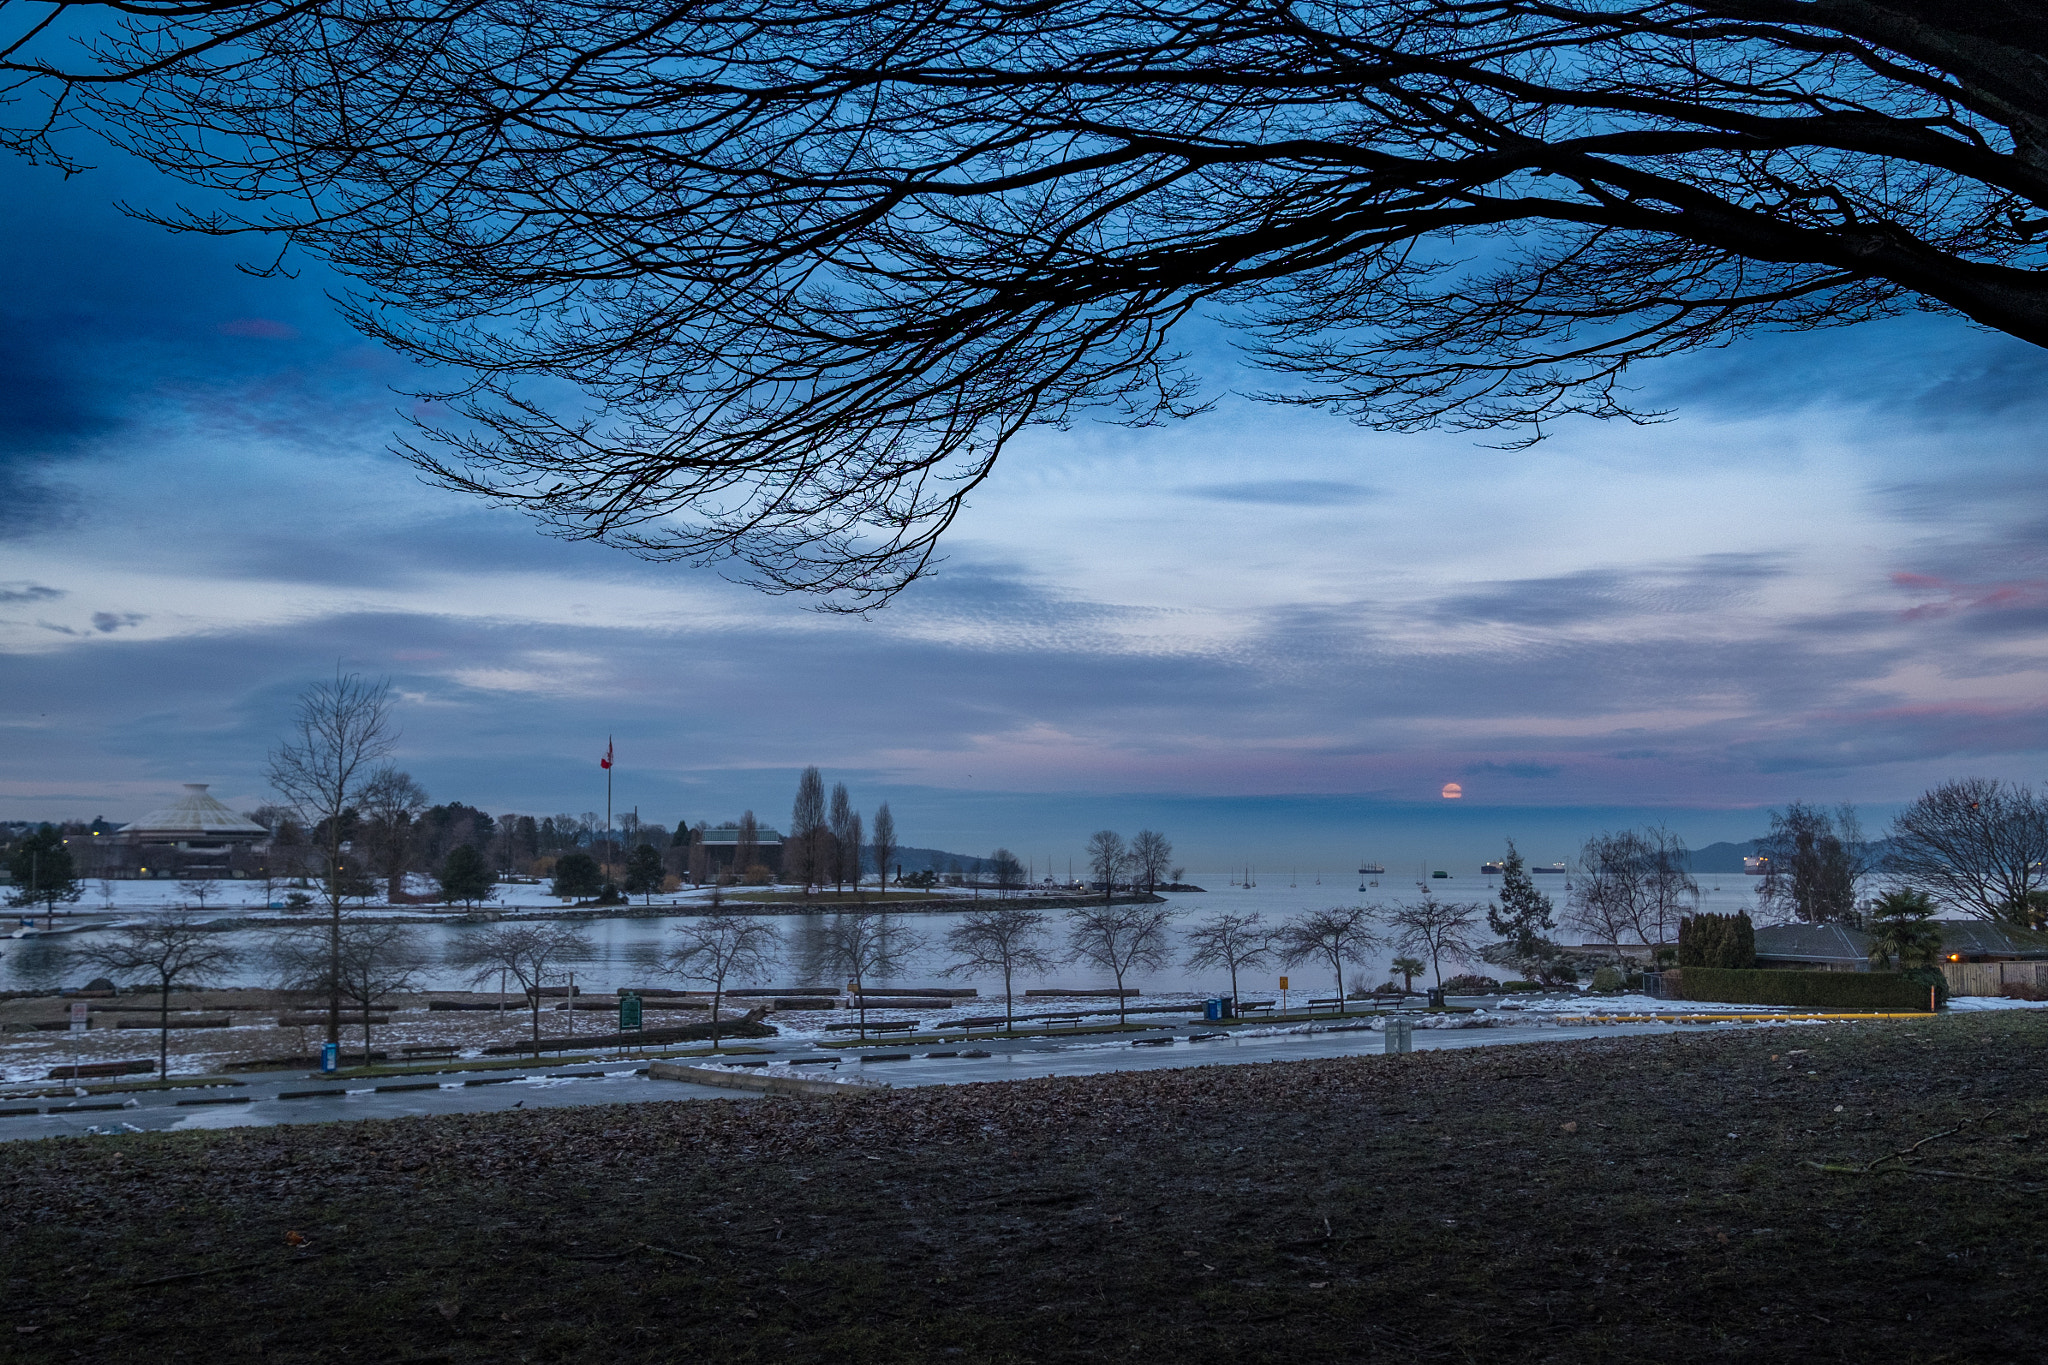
column 629, row 1014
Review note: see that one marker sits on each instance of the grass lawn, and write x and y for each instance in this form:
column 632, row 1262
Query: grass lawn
column 1607, row 1199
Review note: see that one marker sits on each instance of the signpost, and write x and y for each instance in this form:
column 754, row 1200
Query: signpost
column 78, row 1016
column 629, row 1014
column 1283, row 995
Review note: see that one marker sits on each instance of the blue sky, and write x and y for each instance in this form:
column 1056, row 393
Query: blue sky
column 1267, row 632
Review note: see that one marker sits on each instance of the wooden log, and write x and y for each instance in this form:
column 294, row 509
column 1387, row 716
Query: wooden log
column 69, row 1072
column 1086, row 995
column 320, row 1020
column 217, row 1021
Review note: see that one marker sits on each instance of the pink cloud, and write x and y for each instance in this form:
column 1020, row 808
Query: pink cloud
column 1961, row 597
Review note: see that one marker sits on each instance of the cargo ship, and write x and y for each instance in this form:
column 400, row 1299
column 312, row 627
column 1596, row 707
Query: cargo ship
column 1491, row 869
column 1557, row 868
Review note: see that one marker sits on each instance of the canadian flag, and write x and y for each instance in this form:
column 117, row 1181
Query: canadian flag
column 606, row 761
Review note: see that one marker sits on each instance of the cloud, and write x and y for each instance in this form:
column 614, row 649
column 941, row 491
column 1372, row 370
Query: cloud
column 28, row 592
column 1532, row 772
column 1282, row 492
column 107, row 622
column 263, row 328
column 1709, row 583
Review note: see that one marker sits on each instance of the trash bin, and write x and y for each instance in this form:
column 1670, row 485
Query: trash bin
column 1400, row 1036
column 330, row 1056
column 1436, row 997
column 1229, row 1003
column 1212, row 1009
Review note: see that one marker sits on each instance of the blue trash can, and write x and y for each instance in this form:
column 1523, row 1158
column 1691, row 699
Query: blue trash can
column 330, row 1056
column 1212, row 1009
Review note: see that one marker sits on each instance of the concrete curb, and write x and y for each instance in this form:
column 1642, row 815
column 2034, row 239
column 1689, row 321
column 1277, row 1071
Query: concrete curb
column 748, row 1080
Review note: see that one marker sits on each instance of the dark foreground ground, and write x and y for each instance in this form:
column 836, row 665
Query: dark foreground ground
column 1647, row 1199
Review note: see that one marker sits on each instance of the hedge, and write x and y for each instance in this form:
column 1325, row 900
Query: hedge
column 1820, row 990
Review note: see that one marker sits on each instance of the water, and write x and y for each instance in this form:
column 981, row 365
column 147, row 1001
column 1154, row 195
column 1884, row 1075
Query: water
column 627, row 952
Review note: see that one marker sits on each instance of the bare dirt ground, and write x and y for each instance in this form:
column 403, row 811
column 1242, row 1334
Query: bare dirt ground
column 1641, row 1199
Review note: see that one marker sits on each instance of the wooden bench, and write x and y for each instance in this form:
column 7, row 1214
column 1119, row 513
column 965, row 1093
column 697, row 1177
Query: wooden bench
column 894, row 1026
column 428, row 1050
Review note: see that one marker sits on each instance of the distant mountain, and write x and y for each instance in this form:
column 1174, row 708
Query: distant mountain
column 1727, row 857
column 1723, row 857
column 936, row 859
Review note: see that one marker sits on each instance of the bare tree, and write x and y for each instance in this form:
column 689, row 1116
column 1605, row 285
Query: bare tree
column 1634, row 884
column 339, row 729
column 199, row 886
column 1008, row 872
column 1108, row 858
column 1977, row 845
column 981, row 219
column 718, row 948
column 1119, row 939
column 804, row 851
column 845, row 840
column 169, row 951
column 389, row 803
column 746, row 849
column 1437, row 929
column 1151, row 858
column 1232, row 943
column 884, row 843
column 1331, row 937
column 531, row 953
column 379, row 959
column 1005, row 940
column 700, row 859
column 864, row 943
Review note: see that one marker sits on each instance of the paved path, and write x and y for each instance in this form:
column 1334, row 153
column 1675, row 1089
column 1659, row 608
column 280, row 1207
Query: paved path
column 257, row 1099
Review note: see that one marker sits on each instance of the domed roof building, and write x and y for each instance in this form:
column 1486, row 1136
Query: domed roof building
column 194, row 836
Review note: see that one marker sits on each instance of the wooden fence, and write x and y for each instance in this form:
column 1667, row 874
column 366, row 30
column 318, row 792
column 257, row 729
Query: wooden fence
column 1991, row 978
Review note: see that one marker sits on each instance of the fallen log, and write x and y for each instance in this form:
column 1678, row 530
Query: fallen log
column 679, row 1033
column 70, row 1072
column 211, row 1021
column 1085, row 995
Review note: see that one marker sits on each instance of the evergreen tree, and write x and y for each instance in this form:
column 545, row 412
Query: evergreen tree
column 43, row 871
column 644, row 871
column 576, row 875
column 466, row 876
column 1523, row 915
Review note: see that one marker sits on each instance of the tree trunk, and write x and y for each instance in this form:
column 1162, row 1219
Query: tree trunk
column 163, row 1034
column 717, row 995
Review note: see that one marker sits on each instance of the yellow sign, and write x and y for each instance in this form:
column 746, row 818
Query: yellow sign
column 1283, row 983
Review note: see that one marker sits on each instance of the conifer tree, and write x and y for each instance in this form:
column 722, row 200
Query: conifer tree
column 1522, row 915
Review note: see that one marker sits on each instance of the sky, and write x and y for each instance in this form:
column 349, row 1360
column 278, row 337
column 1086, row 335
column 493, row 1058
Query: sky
column 1271, row 634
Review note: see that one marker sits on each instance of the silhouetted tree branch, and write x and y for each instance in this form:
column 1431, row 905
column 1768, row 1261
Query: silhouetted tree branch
column 778, row 282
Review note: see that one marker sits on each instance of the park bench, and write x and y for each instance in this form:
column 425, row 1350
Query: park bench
column 895, row 1026
column 427, row 1050
column 1251, row 1006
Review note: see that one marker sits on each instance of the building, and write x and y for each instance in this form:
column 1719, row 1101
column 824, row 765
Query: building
column 1837, row 948
column 722, row 846
column 193, row 837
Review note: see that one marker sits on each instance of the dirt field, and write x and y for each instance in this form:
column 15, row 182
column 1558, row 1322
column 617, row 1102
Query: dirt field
column 1645, row 1199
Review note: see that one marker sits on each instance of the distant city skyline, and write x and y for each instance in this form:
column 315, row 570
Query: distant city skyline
column 1822, row 579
